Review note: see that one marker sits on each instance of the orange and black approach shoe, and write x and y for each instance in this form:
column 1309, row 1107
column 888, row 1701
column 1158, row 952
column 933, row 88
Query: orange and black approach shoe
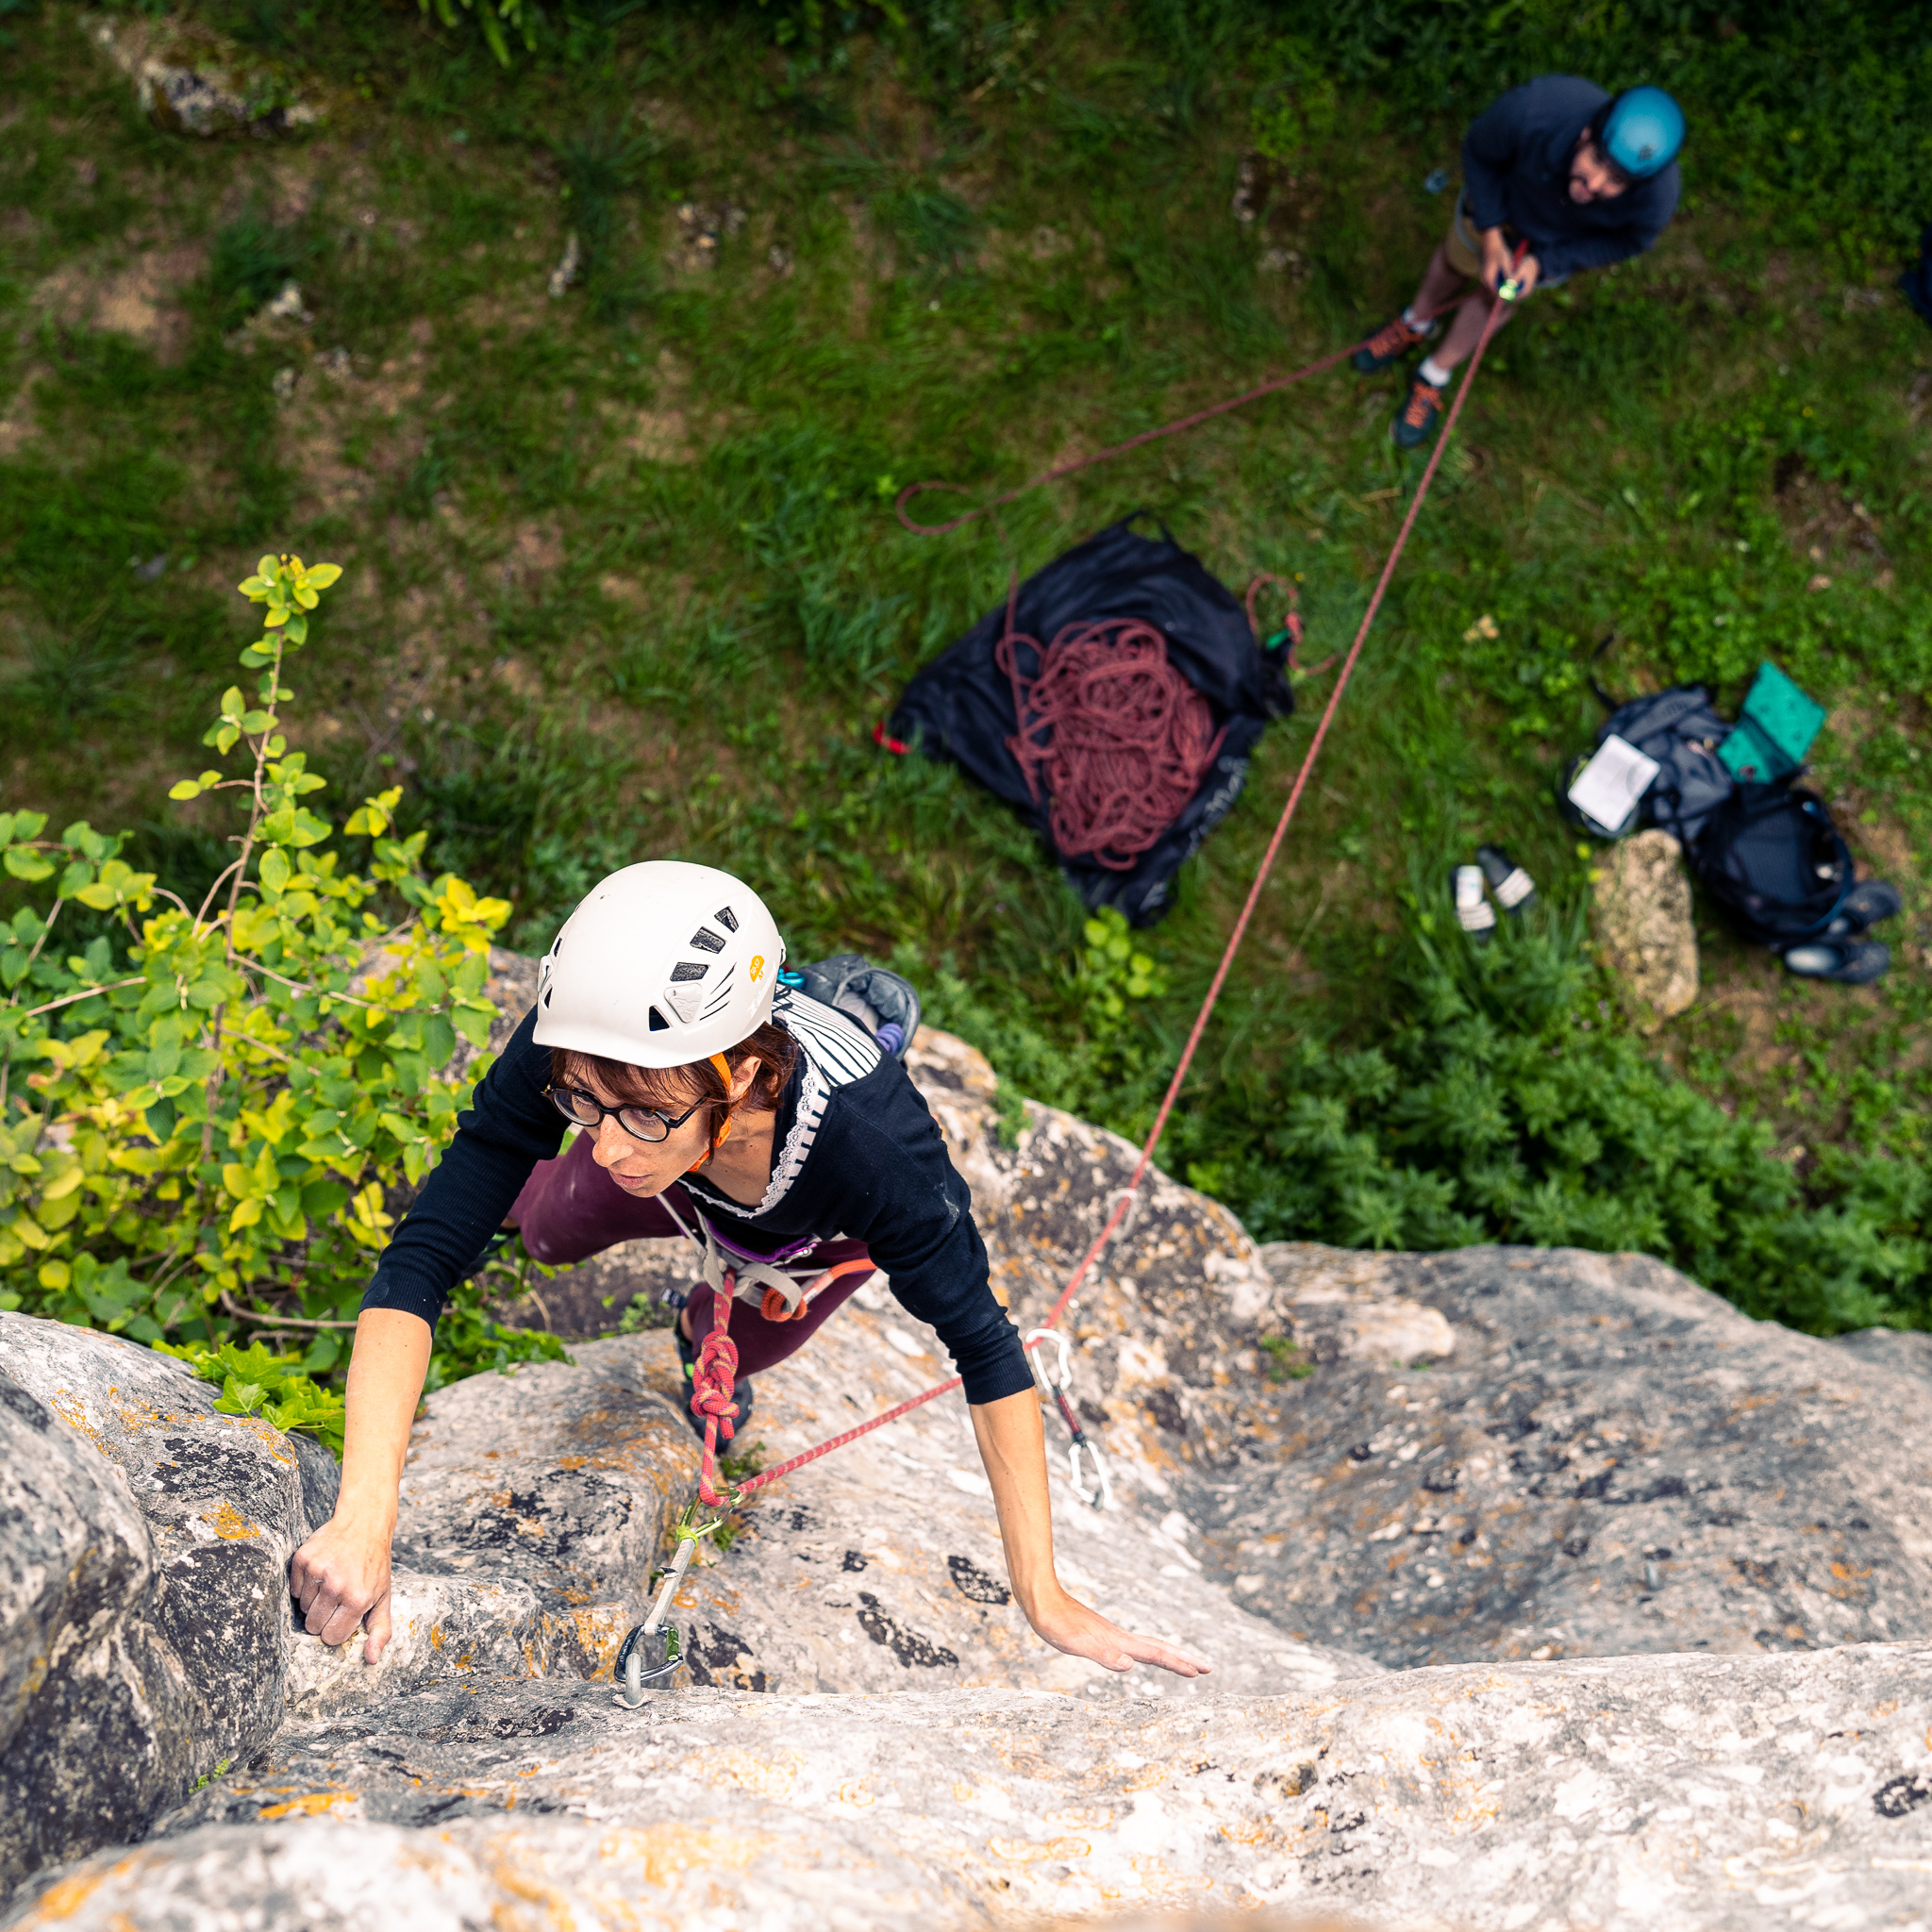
column 1390, row 342
column 1419, row 415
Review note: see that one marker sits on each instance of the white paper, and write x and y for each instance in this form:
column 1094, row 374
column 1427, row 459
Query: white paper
column 1608, row 789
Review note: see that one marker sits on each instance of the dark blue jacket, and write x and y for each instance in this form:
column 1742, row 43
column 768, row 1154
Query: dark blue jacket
column 1516, row 170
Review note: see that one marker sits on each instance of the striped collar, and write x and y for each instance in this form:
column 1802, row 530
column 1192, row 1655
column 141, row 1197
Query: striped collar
column 834, row 1050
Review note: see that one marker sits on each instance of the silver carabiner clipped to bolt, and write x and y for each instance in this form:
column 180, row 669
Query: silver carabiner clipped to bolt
column 1101, row 1496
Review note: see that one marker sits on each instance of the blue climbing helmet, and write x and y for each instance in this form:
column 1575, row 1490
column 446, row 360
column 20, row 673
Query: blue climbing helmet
column 1641, row 133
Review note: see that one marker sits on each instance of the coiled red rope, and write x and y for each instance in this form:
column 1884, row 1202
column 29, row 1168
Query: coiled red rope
column 1118, row 738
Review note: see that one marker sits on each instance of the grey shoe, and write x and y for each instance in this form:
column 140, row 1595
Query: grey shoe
column 1866, row 903
column 1848, row 961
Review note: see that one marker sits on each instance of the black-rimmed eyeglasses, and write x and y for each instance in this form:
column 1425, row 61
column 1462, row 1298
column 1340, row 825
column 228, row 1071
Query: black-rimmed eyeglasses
column 640, row 1123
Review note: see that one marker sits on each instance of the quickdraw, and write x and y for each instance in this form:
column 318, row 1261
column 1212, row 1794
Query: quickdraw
column 651, row 1651
column 1101, row 1496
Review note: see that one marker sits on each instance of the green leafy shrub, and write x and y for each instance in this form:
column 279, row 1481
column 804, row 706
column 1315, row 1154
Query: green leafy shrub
column 1495, row 1096
column 208, row 1111
column 255, row 1380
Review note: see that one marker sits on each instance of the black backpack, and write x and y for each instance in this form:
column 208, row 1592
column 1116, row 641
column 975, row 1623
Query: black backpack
column 1771, row 857
column 1681, row 731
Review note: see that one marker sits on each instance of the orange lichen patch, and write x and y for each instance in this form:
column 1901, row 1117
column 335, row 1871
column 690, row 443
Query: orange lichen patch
column 770, row 1776
column 666, row 1852
column 266, row 1434
column 856, row 1794
column 312, row 1804
column 1021, row 1851
column 230, row 1525
column 596, row 1629
column 1250, row 1833
column 63, row 1900
column 73, row 1413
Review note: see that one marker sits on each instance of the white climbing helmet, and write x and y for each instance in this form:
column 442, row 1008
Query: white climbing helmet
column 661, row 964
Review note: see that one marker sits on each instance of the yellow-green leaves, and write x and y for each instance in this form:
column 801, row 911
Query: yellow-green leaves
column 208, row 1108
column 374, row 816
column 289, row 588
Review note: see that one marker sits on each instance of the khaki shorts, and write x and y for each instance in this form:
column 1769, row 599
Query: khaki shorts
column 1464, row 247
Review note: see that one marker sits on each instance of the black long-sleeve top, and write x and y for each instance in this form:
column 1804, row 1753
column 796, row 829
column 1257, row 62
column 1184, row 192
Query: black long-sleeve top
column 1516, row 170
column 856, row 1154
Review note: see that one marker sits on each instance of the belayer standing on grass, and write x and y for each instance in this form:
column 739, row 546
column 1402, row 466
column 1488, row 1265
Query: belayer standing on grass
column 1581, row 177
column 711, row 1100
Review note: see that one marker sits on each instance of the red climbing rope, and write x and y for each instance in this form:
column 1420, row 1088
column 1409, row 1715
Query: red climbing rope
column 1120, row 449
column 1119, row 738
column 1131, row 1190
column 713, row 1383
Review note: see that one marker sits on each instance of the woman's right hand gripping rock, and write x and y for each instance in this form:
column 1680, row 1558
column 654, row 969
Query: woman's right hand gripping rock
column 339, row 1576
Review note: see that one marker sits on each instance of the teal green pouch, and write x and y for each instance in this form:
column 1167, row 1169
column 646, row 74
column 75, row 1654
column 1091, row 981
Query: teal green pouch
column 1770, row 741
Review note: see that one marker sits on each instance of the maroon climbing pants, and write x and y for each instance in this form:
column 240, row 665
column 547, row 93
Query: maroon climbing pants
column 569, row 1208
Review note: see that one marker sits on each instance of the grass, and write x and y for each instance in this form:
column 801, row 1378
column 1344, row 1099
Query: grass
column 624, row 577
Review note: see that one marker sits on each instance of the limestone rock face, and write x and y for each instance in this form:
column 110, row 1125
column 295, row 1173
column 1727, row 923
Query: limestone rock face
column 154, row 1643
column 1911, row 1354
column 1452, row 1529
column 532, row 1507
column 1625, row 1794
column 1644, row 923
column 1610, row 1459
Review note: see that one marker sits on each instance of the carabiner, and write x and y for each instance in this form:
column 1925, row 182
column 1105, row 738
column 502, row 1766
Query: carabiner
column 1101, row 1496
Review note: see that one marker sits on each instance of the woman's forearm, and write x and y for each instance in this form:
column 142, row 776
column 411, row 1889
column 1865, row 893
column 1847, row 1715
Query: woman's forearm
column 386, row 1372
column 1012, row 1445
column 341, row 1576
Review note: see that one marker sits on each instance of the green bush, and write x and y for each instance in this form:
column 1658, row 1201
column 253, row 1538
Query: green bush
column 208, row 1111
column 1496, row 1098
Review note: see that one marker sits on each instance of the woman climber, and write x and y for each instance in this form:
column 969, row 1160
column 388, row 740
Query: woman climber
column 715, row 1101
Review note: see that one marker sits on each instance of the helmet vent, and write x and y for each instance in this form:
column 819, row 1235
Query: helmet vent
column 726, row 918
column 705, row 940
column 688, row 968
column 659, row 1022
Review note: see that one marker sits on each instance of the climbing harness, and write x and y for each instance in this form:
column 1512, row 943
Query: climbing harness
column 781, row 1286
column 715, row 1375
column 1058, row 1393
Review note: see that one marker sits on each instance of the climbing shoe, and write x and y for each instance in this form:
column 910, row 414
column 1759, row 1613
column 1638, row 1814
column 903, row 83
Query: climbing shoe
column 687, row 1360
column 1850, row 963
column 1419, row 415
column 1866, row 903
column 1514, row 890
column 1474, row 913
column 1390, row 342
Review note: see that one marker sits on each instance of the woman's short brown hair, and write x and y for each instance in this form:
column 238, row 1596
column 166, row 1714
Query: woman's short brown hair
column 674, row 1088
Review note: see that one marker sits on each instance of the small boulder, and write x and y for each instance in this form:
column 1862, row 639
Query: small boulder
column 1645, row 925
column 190, row 80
